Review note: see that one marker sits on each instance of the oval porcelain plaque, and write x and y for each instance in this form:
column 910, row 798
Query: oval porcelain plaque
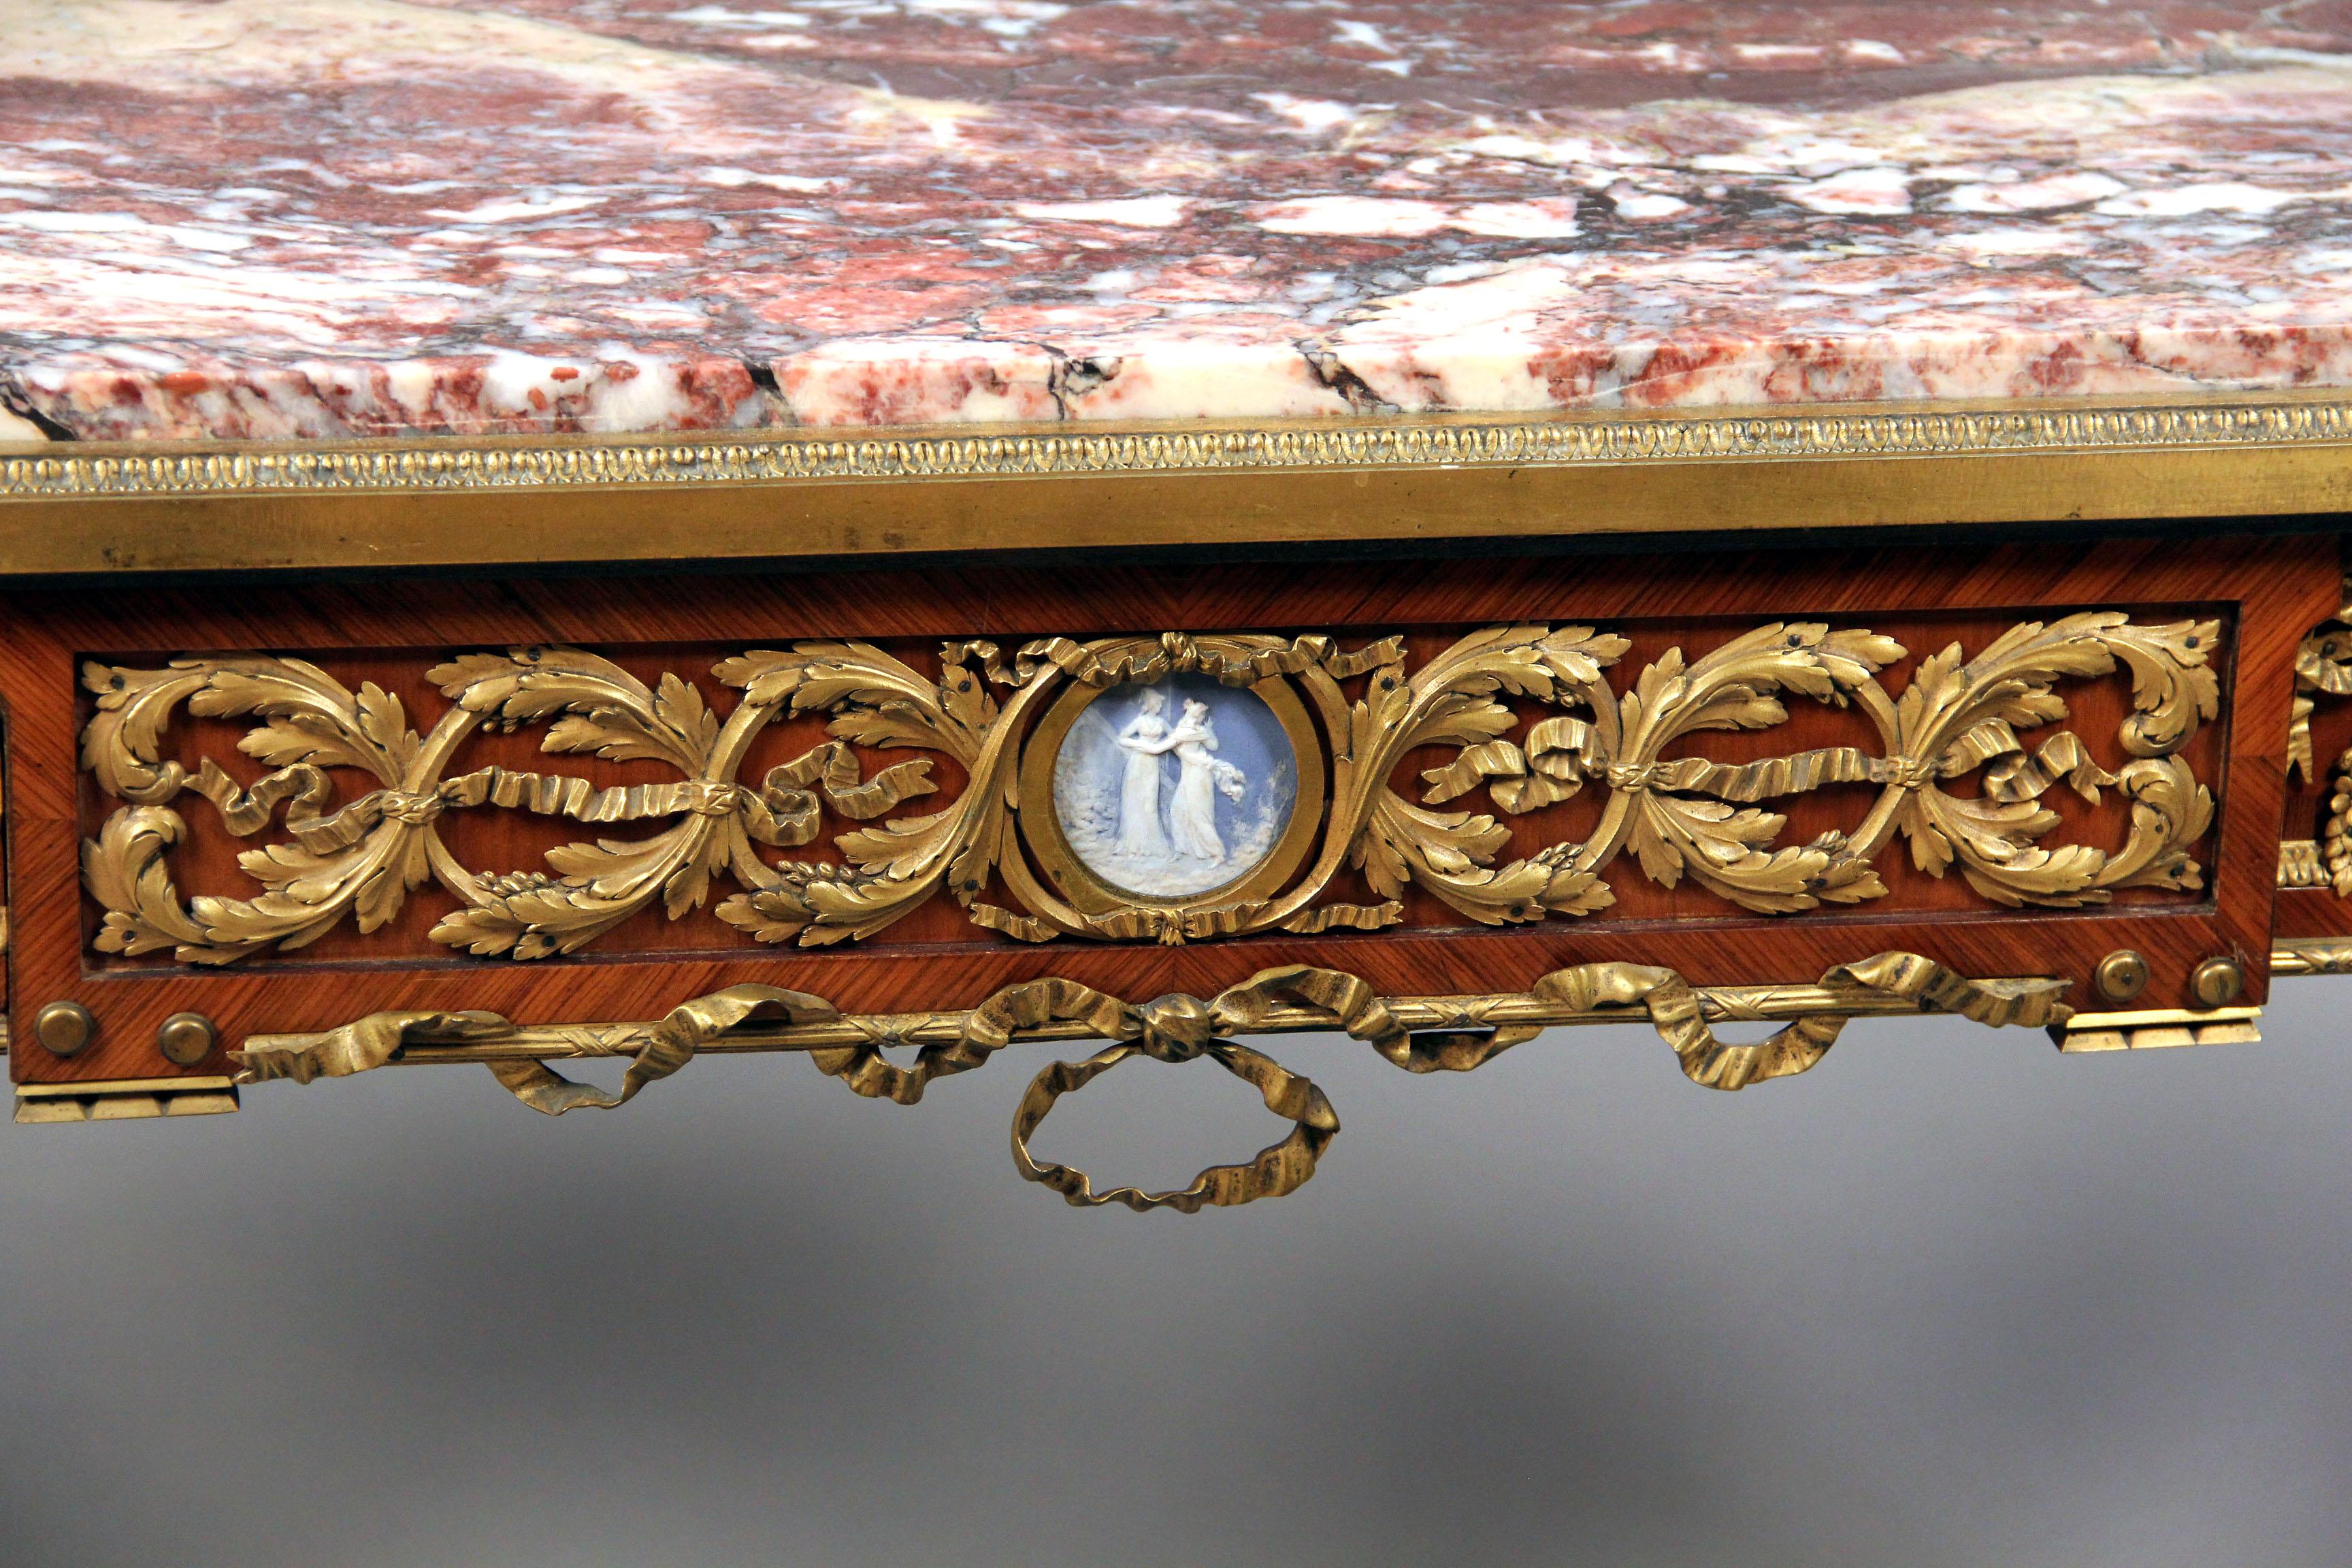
column 1176, row 788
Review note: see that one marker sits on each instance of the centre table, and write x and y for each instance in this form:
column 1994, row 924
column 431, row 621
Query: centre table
column 543, row 531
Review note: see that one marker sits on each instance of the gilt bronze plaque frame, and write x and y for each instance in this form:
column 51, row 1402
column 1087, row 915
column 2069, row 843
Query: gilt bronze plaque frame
column 1091, row 894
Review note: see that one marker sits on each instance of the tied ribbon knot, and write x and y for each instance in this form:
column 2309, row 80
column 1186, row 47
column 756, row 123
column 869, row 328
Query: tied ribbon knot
column 711, row 798
column 1176, row 1028
column 416, row 810
column 1634, row 778
column 1910, row 773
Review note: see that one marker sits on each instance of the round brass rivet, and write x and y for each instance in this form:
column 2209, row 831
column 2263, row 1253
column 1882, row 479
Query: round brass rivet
column 64, row 1027
column 185, row 1038
column 2121, row 975
column 2217, row 982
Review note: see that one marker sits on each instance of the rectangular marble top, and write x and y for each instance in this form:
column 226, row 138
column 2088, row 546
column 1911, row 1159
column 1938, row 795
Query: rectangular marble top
column 322, row 219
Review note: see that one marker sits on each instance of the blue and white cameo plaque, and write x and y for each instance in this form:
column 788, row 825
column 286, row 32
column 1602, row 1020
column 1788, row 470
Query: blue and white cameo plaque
column 1175, row 788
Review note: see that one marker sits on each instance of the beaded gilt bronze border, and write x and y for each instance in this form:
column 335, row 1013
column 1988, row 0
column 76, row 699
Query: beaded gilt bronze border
column 103, row 509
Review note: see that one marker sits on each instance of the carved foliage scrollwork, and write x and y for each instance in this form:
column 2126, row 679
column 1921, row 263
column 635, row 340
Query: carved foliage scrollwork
column 1673, row 815
column 362, row 860
column 2323, row 668
column 1690, row 817
column 365, row 858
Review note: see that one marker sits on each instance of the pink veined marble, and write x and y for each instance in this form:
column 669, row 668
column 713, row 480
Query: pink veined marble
column 322, row 218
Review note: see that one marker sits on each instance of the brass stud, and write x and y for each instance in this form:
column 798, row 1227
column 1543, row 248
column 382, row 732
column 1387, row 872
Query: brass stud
column 2217, row 982
column 2121, row 975
column 185, row 1038
column 64, row 1027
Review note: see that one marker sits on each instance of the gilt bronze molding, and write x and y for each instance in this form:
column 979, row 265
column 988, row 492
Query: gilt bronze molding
column 2157, row 1028
column 125, row 1099
column 2311, row 955
column 1420, row 1034
column 109, row 508
column 444, row 464
column 1481, row 1019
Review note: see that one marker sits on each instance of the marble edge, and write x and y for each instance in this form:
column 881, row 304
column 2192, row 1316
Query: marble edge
column 98, row 470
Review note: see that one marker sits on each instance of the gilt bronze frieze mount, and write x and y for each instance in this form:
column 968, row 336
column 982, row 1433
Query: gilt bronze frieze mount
column 1420, row 1034
column 1181, row 788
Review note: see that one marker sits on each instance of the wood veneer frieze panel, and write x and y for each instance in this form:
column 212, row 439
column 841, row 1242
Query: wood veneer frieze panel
column 2261, row 591
column 1696, row 770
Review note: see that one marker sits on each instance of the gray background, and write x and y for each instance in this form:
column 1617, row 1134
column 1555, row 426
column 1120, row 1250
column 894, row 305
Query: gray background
column 1950, row 1300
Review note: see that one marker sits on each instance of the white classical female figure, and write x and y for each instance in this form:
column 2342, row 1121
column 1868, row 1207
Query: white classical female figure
column 1192, row 815
column 1145, row 739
